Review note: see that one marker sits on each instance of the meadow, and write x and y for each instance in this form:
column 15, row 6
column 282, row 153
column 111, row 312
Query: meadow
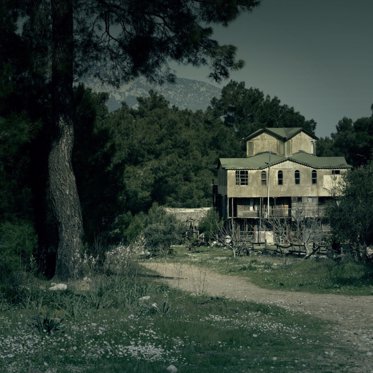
column 315, row 275
column 130, row 322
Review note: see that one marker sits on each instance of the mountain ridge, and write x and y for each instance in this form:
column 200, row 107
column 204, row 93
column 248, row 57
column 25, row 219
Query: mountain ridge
column 184, row 93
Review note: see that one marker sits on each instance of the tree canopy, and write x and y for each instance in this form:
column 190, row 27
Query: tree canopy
column 118, row 40
column 351, row 217
column 352, row 139
column 246, row 110
column 114, row 40
column 59, row 136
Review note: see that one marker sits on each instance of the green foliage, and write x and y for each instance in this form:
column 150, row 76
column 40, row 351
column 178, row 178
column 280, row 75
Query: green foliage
column 144, row 44
column 98, row 186
column 16, row 133
column 132, row 158
column 37, row 82
column 127, row 228
column 323, row 275
column 352, row 139
column 210, row 225
column 44, row 323
column 17, row 242
column 194, row 333
column 355, row 140
column 164, row 155
column 319, row 276
column 351, row 217
column 161, row 231
column 246, row 110
column 22, row 106
column 325, row 147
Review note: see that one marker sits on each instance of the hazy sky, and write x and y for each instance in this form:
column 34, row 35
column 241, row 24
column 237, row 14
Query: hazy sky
column 314, row 55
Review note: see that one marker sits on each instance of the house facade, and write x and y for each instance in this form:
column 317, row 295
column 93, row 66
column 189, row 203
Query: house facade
column 280, row 177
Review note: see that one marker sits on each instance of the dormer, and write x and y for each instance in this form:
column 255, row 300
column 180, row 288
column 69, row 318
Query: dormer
column 284, row 141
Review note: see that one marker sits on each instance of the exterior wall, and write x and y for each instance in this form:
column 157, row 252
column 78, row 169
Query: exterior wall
column 334, row 183
column 249, row 202
column 324, row 187
column 300, row 142
column 268, row 143
column 264, row 143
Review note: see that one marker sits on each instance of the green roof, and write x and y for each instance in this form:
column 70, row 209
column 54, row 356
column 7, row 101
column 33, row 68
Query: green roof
column 256, row 162
column 283, row 133
column 261, row 161
column 319, row 162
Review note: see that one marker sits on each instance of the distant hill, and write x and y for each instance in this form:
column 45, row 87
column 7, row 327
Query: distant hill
column 184, row 93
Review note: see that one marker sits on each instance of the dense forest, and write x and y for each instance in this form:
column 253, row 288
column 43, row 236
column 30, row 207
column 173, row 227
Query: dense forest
column 132, row 158
column 124, row 161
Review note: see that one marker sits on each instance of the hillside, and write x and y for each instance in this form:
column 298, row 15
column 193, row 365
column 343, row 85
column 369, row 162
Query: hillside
column 184, row 93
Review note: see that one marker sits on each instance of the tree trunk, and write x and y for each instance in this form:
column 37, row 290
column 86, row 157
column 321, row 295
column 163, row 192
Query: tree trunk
column 62, row 185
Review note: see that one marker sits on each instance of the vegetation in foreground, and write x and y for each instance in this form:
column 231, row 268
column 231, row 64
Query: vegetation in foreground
column 117, row 323
column 321, row 275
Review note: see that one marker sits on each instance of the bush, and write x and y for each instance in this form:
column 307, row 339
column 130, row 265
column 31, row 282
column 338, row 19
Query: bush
column 17, row 242
column 211, row 225
column 127, row 228
column 351, row 218
column 161, row 231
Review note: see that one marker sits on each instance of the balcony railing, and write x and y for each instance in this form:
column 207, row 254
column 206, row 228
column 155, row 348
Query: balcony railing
column 281, row 212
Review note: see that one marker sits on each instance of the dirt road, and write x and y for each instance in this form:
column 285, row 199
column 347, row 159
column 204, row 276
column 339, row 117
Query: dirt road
column 353, row 314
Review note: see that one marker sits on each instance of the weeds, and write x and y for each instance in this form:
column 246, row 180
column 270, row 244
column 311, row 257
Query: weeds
column 194, row 333
column 315, row 275
column 321, row 276
column 44, row 323
column 130, row 323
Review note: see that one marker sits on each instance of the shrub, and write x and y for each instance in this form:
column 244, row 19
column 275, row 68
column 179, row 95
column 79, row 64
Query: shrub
column 127, row 227
column 351, row 218
column 161, row 231
column 211, row 225
column 17, row 242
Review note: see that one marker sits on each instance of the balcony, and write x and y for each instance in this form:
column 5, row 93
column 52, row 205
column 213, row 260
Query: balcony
column 308, row 212
column 245, row 212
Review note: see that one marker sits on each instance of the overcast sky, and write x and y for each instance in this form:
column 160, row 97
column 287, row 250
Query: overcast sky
column 314, row 55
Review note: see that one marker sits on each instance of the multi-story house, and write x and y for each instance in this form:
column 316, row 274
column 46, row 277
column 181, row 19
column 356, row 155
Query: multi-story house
column 280, row 177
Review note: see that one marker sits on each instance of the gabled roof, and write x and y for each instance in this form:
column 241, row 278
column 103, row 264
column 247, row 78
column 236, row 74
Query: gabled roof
column 282, row 133
column 261, row 161
column 313, row 161
column 256, row 162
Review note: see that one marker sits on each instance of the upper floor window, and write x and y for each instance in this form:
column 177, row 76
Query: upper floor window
column 264, row 178
column 280, row 177
column 314, row 177
column 242, row 177
column 336, row 172
column 297, row 177
column 313, row 142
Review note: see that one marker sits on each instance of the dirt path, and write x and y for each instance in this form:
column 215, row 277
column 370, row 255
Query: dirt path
column 353, row 314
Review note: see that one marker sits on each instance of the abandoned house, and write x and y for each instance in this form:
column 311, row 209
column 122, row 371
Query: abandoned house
column 280, row 178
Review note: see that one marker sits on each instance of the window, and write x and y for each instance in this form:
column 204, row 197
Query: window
column 264, row 178
column 314, row 177
column 242, row 177
column 297, row 177
column 313, row 147
column 280, row 178
column 336, row 172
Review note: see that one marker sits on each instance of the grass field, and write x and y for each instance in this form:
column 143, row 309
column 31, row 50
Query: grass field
column 129, row 323
column 320, row 275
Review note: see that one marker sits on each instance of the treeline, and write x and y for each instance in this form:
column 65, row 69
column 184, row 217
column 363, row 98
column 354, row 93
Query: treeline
column 130, row 159
column 352, row 139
